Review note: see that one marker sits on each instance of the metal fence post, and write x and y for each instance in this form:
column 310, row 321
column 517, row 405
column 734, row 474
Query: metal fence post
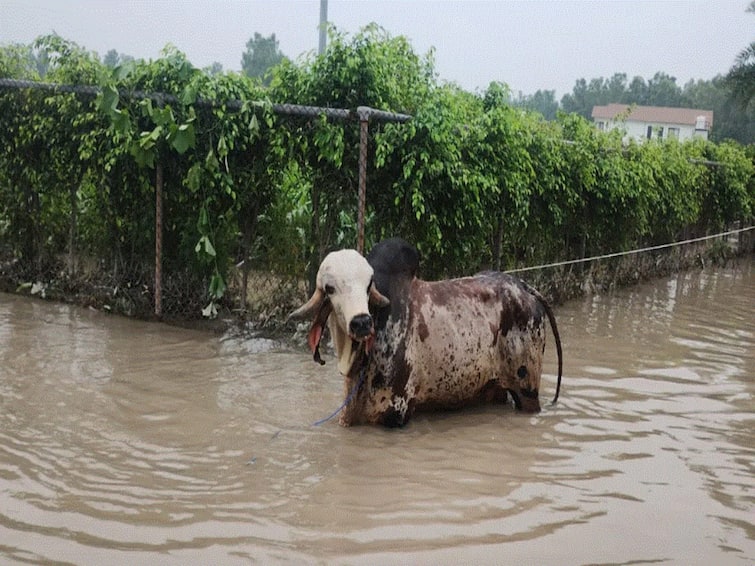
column 364, row 120
column 363, row 113
column 158, row 240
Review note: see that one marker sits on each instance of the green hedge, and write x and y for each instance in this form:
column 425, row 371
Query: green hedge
column 471, row 180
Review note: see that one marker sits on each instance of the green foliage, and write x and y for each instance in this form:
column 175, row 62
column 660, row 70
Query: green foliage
column 543, row 101
column 19, row 62
column 741, row 77
column 86, row 166
column 474, row 180
column 114, row 59
column 439, row 191
column 261, row 55
column 369, row 69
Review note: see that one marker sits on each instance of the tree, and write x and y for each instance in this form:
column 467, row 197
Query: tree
column 112, row 59
column 543, row 101
column 497, row 94
column 741, row 77
column 370, row 69
column 214, row 69
column 262, row 54
column 19, row 62
column 663, row 91
column 730, row 120
column 637, row 92
column 579, row 100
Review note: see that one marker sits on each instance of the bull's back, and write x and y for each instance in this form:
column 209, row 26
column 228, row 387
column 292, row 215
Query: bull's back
column 464, row 333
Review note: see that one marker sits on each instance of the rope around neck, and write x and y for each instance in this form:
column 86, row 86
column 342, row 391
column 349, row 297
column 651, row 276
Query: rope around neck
column 354, row 389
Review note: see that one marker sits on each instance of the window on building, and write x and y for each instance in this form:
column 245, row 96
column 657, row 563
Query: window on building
column 650, row 132
column 673, row 133
column 660, row 132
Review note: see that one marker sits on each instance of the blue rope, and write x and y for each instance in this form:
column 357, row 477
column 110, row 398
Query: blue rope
column 353, row 392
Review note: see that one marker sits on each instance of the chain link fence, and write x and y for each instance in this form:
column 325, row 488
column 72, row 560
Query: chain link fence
column 260, row 289
column 264, row 284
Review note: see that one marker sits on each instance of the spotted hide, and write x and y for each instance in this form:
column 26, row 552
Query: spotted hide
column 404, row 344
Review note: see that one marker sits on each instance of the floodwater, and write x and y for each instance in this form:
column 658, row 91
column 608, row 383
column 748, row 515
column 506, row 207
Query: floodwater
column 124, row 442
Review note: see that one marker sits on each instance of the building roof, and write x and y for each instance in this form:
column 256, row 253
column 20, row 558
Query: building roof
column 655, row 114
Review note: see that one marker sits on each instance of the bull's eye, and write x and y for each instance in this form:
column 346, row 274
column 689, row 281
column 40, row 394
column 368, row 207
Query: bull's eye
column 329, row 289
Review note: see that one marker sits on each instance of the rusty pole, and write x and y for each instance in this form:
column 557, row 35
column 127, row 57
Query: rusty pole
column 364, row 120
column 158, row 240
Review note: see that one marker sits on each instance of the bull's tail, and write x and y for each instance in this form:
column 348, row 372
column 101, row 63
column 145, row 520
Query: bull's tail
column 554, row 328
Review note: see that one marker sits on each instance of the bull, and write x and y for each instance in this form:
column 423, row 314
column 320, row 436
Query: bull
column 406, row 345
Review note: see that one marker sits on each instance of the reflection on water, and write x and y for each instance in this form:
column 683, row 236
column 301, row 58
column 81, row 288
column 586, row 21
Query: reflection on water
column 125, row 442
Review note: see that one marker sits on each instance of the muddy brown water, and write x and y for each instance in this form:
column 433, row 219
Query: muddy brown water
column 123, row 442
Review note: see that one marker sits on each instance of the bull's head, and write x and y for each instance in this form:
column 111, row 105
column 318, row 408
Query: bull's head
column 344, row 290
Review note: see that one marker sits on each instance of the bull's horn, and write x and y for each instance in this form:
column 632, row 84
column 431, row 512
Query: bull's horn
column 377, row 298
column 306, row 310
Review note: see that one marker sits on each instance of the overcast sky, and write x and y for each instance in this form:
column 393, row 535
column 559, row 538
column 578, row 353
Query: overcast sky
column 529, row 45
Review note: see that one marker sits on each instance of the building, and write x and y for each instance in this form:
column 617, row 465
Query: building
column 654, row 122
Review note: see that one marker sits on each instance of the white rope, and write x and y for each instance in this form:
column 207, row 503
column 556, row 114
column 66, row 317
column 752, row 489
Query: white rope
column 630, row 252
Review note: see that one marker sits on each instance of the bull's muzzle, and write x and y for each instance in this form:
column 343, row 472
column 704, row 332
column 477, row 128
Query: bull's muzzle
column 360, row 326
column 526, row 400
column 362, row 331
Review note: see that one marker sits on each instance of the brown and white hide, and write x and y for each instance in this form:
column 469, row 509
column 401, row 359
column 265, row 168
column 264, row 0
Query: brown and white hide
column 430, row 345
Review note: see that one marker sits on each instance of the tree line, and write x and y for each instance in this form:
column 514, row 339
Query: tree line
column 731, row 119
column 474, row 181
column 730, row 96
column 727, row 95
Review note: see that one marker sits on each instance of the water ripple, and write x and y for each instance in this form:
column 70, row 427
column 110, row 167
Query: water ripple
column 126, row 442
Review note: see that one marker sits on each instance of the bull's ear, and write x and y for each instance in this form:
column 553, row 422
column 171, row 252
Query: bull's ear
column 378, row 299
column 308, row 309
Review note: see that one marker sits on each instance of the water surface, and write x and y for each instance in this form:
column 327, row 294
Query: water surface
column 125, row 442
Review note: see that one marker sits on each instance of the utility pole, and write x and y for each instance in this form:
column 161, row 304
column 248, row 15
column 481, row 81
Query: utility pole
column 323, row 25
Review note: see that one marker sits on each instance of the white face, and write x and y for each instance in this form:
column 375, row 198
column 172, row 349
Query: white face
column 346, row 278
